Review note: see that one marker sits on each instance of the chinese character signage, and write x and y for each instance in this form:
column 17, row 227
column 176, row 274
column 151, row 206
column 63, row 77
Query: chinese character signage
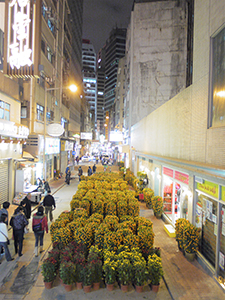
column 22, row 37
column 209, row 188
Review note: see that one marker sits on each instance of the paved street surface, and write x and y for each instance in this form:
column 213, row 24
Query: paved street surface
column 21, row 278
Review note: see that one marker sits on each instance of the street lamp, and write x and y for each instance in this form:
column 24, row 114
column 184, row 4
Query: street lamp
column 72, row 88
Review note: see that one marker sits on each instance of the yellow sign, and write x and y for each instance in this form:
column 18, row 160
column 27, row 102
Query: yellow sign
column 223, row 193
column 209, row 188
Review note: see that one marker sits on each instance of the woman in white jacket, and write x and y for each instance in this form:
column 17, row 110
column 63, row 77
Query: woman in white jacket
column 4, row 237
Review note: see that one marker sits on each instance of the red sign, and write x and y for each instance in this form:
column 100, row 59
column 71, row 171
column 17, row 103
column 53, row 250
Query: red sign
column 182, row 177
column 168, row 172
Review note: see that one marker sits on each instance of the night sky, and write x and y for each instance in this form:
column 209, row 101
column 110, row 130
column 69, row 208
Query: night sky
column 100, row 16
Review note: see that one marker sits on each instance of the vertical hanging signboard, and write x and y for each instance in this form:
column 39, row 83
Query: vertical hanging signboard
column 22, row 38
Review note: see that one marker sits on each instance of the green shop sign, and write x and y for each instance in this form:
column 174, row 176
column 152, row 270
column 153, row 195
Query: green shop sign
column 209, row 188
column 223, row 193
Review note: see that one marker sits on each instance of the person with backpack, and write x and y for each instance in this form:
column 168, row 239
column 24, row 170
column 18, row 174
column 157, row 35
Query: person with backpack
column 39, row 226
column 18, row 222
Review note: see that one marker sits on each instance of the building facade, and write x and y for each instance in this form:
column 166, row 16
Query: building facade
column 181, row 147
column 156, row 52
column 43, row 68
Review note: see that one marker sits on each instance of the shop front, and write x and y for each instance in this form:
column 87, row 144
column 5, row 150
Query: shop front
column 176, row 194
column 210, row 218
column 67, row 154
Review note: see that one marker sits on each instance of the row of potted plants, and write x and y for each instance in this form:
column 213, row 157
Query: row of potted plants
column 125, row 266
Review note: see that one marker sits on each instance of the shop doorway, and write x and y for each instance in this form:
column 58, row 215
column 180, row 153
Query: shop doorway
column 175, row 197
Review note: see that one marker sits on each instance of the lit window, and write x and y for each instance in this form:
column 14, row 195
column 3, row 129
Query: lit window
column 217, row 111
column 40, row 112
column 4, row 111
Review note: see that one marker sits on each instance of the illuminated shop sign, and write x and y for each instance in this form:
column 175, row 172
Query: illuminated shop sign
column 52, row 146
column 8, row 128
column 22, row 37
column 182, row 177
column 168, row 172
column 209, row 188
column 86, row 135
column 20, row 52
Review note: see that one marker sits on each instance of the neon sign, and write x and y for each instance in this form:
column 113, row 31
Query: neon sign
column 19, row 44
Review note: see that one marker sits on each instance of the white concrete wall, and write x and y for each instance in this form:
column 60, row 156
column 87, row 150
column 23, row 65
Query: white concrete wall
column 156, row 40
column 178, row 129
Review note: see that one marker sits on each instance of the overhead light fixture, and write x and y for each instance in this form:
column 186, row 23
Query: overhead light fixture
column 221, row 94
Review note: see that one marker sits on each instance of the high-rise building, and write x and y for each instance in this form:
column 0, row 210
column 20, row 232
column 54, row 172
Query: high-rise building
column 89, row 78
column 100, row 90
column 114, row 50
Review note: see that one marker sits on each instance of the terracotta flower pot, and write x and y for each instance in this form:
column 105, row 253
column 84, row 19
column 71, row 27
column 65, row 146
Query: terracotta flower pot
column 96, row 286
column 155, row 288
column 48, row 285
column 124, row 288
column 139, row 289
column 110, row 287
column 190, row 256
column 68, row 287
column 79, row 285
column 87, row 288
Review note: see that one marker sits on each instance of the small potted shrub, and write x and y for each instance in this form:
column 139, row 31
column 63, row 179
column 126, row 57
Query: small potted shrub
column 88, row 276
column 109, row 269
column 140, row 272
column 179, row 230
column 49, row 267
column 124, row 273
column 155, row 271
column 157, row 205
column 191, row 238
column 67, row 271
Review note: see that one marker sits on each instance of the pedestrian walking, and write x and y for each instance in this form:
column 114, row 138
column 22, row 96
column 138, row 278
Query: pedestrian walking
column 94, row 168
column 49, row 205
column 26, row 205
column 77, row 160
column 46, row 187
column 80, row 172
column 18, row 222
column 68, row 174
column 89, row 171
column 4, row 210
column 4, row 238
column 39, row 226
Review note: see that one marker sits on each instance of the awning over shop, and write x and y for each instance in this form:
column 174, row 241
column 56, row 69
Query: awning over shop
column 28, row 156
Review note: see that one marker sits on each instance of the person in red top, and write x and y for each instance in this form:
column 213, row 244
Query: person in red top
column 39, row 226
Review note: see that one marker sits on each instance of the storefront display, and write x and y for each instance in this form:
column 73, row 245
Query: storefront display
column 175, row 194
column 209, row 214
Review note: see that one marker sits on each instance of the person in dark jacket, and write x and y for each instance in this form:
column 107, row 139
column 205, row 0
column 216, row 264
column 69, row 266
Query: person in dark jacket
column 48, row 203
column 39, row 218
column 18, row 221
column 26, row 205
column 89, row 171
column 80, row 172
column 68, row 174
column 46, row 186
column 94, row 168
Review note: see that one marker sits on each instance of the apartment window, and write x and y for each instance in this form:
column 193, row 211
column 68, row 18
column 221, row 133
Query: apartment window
column 217, row 107
column 4, row 111
column 23, row 112
column 40, row 112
